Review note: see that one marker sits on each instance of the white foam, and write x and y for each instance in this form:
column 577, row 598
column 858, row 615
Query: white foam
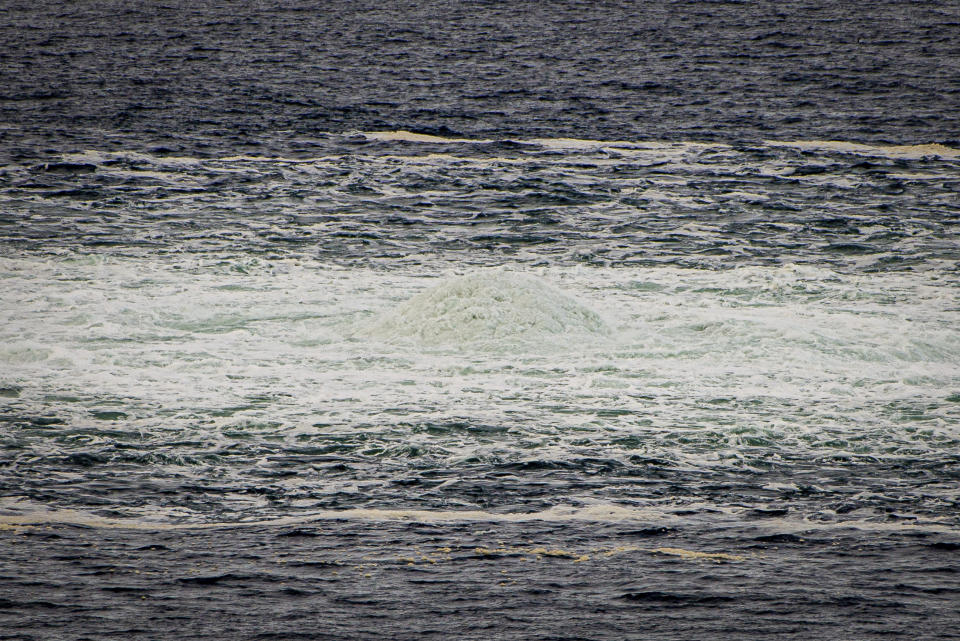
column 799, row 356
column 488, row 306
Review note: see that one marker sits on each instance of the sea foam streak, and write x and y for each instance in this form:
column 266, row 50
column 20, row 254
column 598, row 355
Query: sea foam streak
column 892, row 151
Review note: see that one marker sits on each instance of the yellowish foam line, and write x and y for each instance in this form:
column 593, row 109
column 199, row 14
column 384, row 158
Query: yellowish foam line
column 693, row 554
column 556, row 143
column 25, row 514
column 578, row 557
column 637, row 146
column 891, row 151
column 409, row 136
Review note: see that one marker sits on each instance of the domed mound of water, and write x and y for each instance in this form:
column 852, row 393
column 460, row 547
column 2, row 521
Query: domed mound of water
column 492, row 306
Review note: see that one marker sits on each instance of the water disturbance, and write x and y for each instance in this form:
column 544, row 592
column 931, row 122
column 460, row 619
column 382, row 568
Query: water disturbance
column 518, row 376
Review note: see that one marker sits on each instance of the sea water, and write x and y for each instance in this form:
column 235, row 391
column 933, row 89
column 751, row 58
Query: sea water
column 486, row 382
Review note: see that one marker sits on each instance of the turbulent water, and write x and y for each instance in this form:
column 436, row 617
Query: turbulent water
column 498, row 381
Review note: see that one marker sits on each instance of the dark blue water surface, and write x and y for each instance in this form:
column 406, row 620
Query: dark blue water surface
column 198, row 78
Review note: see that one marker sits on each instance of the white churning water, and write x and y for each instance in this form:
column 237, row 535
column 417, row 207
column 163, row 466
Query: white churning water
column 455, row 309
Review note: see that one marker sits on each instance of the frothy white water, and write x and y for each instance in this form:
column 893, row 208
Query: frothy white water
column 489, row 307
column 697, row 365
column 293, row 321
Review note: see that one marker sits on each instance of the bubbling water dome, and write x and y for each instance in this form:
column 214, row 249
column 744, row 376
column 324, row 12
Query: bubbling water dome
column 489, row 307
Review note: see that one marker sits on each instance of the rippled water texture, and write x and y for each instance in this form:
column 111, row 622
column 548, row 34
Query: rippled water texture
column 479, row 321
column 193, row 78
column 456, row 324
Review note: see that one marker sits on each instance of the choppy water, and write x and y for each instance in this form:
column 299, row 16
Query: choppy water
column 508, row 381
column 422, row 323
